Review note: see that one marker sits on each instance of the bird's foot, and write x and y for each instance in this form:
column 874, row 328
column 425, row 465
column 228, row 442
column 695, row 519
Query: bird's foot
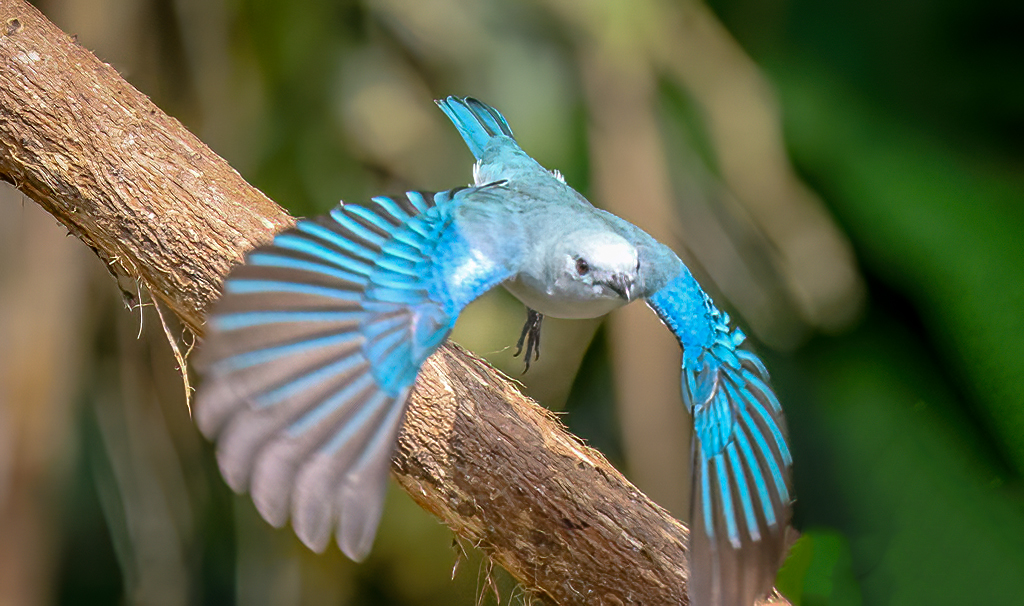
column 530, row 336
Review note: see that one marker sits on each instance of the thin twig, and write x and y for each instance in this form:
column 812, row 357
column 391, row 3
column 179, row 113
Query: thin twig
column 178, row 357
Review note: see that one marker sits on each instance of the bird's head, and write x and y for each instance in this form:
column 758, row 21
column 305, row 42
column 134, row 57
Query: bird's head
column 599, row 265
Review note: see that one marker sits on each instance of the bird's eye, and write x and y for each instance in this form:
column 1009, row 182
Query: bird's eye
column 582, row 267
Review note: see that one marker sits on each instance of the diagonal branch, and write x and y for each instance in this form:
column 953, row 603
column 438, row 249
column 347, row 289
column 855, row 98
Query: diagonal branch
column 157, row 205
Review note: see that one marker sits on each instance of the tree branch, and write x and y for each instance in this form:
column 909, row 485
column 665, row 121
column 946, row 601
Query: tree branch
column 158, row 206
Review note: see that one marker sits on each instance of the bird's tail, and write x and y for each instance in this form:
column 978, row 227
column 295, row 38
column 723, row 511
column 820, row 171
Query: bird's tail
column 478, row 123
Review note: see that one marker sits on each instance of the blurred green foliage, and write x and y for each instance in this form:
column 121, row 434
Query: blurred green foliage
column 907, row 429
column 819, row 571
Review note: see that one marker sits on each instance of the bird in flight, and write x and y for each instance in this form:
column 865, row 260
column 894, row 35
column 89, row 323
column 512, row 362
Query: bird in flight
column 313, row 348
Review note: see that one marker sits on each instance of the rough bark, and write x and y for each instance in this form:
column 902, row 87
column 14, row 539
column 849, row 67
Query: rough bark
column 159, row 207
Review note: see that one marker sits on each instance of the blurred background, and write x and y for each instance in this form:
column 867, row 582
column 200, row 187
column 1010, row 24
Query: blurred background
column 846, row 178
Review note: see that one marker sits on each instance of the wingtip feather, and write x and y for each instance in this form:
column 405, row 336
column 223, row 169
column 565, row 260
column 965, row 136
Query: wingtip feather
column 741, row 489
column 730, row 571
column 360, row 517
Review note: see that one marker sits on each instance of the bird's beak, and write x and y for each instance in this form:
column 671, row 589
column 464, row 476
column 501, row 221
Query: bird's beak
column 623, row 285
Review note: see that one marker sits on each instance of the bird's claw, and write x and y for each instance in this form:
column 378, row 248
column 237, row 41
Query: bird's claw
column 531, row 337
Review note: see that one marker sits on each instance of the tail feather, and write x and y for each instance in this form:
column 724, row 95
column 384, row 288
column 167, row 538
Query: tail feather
column 477, row 122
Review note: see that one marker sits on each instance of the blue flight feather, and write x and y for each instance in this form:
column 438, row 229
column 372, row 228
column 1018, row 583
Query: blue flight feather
column 282, row 336
column 727, row 392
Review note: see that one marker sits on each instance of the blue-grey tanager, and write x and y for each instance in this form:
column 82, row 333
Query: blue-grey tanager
column 312, row 350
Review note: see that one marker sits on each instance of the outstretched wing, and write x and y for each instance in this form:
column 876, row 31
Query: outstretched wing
column 741, row 464
column 310, row 354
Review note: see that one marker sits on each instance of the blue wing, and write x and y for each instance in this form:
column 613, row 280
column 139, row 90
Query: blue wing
column 310, row 354
column 741, row 502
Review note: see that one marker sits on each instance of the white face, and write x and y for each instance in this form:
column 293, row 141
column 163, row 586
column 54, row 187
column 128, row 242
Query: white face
column 598, row 266
column 585, row 275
